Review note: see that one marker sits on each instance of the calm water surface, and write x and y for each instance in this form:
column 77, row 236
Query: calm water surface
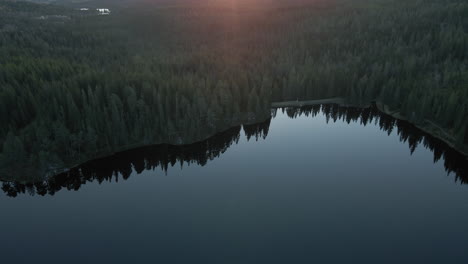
column 310, row 192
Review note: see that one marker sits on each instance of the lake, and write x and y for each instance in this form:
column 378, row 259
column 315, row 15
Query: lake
column 312, row 185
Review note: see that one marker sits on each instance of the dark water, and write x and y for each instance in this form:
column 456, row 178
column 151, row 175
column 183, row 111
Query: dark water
column 290, row 190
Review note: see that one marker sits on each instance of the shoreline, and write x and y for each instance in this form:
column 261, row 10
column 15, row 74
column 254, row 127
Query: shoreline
column 429, row 127
column 433, row 130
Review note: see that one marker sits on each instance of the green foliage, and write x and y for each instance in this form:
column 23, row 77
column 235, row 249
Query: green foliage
column 75, row 86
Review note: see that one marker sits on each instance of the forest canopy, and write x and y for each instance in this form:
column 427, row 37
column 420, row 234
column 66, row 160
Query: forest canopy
column 76, row 85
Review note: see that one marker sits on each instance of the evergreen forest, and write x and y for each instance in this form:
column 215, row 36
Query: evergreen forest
column 76, row 85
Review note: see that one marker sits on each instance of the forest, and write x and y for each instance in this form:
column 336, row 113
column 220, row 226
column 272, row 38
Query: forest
column 75, row 85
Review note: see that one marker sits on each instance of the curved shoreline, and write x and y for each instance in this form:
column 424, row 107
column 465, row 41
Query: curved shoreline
column 433, row 130
column 429, row 127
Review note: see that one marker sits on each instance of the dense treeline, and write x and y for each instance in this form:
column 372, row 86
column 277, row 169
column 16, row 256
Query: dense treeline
column 75, row 85
column 125, row 164
column 410, row 55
